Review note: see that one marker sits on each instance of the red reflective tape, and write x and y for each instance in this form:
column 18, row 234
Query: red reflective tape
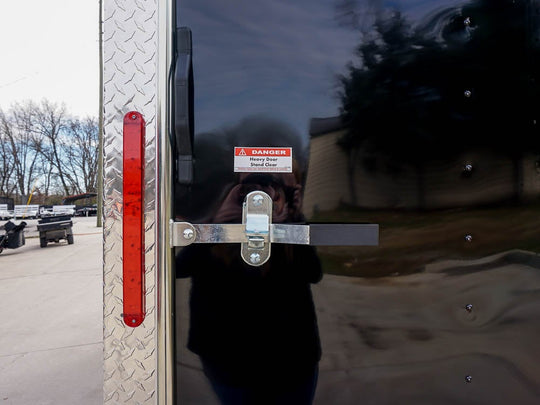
column 133, row 217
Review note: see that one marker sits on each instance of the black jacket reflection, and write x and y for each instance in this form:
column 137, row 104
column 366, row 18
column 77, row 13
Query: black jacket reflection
column 253, row 322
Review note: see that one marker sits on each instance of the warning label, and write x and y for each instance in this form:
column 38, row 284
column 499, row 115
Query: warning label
column 262, row 159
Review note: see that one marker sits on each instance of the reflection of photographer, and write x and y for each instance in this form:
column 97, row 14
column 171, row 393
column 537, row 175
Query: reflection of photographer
column 282, row 188
column 255, row 328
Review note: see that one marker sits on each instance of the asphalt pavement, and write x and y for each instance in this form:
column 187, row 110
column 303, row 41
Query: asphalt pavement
column 51, row 319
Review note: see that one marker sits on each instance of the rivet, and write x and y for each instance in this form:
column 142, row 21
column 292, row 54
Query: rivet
column 468, row 238
column 468, row 307
column 468, row 378
column 133, row 116
column 467, row 93
column 255, row 258
column 133, row 321
column 188, row 233
column 467, row 21
column 468, row 168
column 258, row 200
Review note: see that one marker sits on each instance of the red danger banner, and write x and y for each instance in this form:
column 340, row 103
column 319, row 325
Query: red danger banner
column 262, row 159
column 262, row 151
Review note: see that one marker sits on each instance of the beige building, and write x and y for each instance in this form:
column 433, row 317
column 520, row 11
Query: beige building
column 474, row 177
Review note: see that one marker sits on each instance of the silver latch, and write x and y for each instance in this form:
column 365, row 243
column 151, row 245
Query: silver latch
column 257, row 217
column 256, row 233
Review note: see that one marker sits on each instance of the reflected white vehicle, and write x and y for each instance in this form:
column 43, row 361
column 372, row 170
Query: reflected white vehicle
column 4, row 212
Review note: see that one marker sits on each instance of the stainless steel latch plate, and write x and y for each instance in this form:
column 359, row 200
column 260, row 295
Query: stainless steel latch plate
column 256, row 233
column 257, row 217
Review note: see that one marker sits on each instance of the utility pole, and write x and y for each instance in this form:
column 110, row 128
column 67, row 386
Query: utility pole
column 100, row 124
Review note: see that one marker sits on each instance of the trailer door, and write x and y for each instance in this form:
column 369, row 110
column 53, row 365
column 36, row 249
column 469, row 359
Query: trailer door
column 356, row 200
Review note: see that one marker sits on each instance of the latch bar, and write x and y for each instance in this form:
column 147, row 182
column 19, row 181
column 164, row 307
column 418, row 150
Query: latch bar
column 184, row 233
column 344, row 234
column 257, row 233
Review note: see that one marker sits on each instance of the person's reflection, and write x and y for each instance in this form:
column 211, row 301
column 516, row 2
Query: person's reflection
column 255, row 328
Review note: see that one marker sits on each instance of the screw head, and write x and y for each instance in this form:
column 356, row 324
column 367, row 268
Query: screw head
column 468, row 378
column 133, row 116
column 255, row 258
column 467, row 93
column 258, row 200
column 468, row 168
column 467, row 21
column 188, row 233
column 468, row 238
column 468, row 307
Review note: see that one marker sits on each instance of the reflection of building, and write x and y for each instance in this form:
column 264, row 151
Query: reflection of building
column 326, row 183
column 475, row 177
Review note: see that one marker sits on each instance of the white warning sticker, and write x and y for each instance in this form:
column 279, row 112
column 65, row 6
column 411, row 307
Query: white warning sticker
column 262, row 159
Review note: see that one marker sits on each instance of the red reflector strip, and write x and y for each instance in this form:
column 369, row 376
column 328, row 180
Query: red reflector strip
column 133, row 216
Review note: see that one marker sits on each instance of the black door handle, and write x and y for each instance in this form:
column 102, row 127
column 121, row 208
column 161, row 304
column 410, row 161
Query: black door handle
column 183, row 106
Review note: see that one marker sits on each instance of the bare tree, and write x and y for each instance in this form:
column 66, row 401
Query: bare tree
column 81, row 148
column 7, row 185
column 50, row 122
column 18, row 132
column 40, row 144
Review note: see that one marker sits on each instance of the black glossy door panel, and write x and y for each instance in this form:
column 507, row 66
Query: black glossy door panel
column 419, row 116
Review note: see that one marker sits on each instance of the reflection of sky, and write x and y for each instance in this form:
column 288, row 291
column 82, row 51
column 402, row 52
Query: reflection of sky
column 276, row 57
column 416, row 9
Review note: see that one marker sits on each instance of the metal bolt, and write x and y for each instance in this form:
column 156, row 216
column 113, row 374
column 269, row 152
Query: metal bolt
column 468, row 168
column 468, row 238
column 468, row 378
column 467, row 21
column 467, row 93
column 133, row 116
column 188, row 233
column 468, row 307
column 255, row 258
column 258, row 200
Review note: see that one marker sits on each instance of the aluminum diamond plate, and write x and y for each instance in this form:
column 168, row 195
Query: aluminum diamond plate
column 129, row 76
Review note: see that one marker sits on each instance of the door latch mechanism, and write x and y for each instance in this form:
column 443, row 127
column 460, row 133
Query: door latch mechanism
column 256, row 233
column 257, row 217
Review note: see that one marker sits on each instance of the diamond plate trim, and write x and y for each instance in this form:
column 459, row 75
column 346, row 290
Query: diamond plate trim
column 130, row 83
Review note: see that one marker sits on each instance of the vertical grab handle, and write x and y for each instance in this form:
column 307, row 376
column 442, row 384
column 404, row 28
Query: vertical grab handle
column 134, row 308
column 183, row 106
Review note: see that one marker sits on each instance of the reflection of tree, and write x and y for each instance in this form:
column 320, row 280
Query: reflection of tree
column 455, row 80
